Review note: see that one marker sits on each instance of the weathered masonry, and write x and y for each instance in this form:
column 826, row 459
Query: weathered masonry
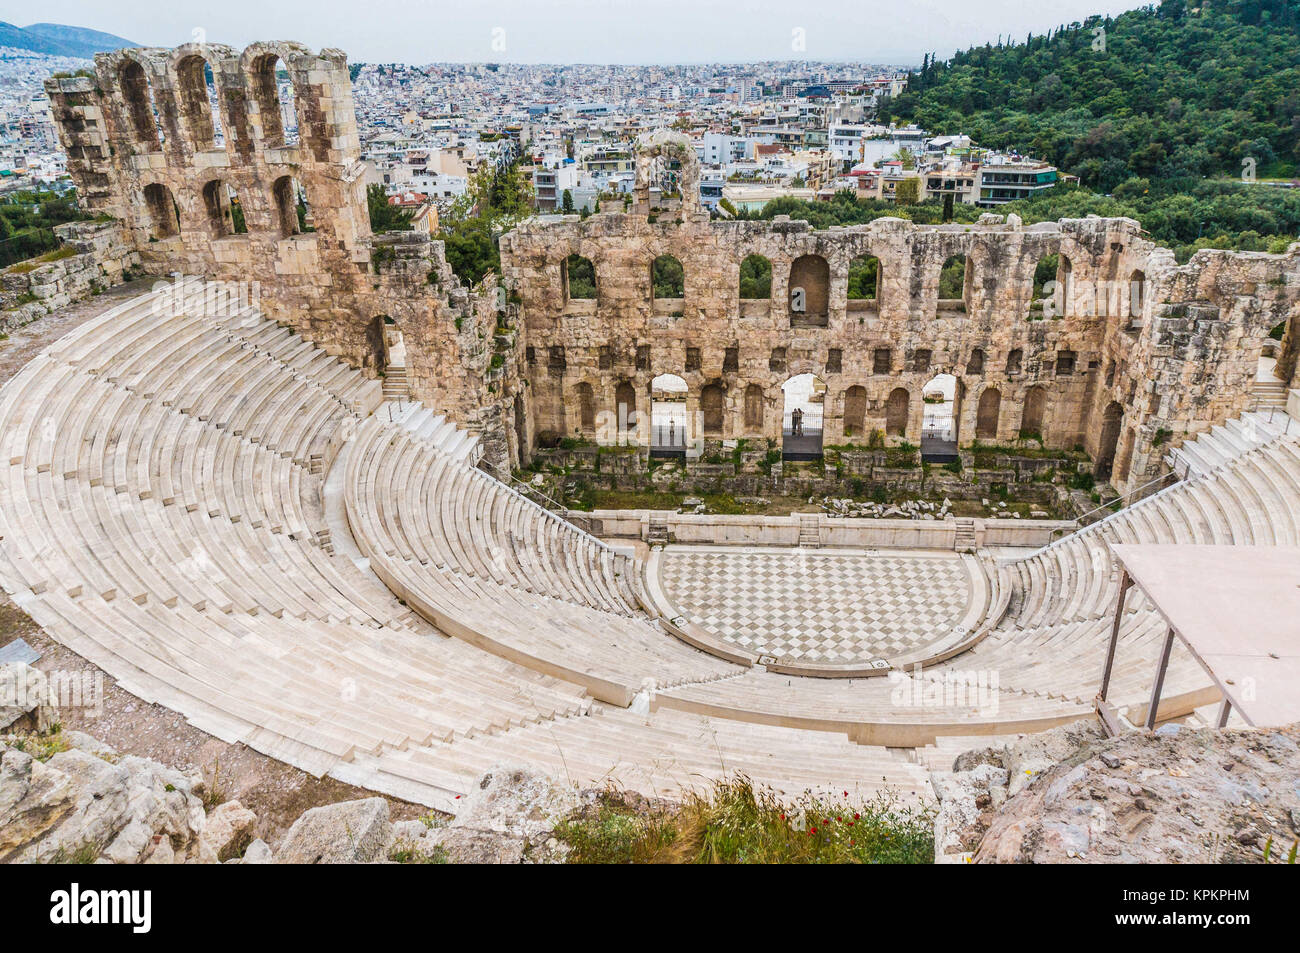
column 1081, row 331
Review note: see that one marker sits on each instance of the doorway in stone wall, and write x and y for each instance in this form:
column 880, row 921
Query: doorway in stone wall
column 668, row 416
column 939, row 419
column 801, row 421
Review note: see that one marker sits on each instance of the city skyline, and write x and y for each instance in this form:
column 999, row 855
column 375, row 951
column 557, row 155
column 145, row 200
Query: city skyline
column 672, row 32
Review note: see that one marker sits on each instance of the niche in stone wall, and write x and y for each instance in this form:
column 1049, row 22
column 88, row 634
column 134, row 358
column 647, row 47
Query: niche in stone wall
column 162, row 213
column 987, row 412
column 810, row 283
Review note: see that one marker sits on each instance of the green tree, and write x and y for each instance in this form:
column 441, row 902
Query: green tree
column 385, row 217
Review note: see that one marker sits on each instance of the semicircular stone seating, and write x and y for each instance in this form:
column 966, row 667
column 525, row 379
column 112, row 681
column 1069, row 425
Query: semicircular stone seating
column 161, row 514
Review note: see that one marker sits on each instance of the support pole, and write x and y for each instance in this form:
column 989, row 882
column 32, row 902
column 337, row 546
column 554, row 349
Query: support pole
column 1160, row 679
column 1125, row 583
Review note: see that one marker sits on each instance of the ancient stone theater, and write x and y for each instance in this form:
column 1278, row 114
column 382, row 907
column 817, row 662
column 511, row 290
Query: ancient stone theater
column 304, row 518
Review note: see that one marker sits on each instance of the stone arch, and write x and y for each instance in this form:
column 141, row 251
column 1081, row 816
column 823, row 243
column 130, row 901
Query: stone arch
column 218, row 206
column 897, row 410
column 713, row 403
column 809, row 292
column 940, row 418
column 586, row 397
column 1112, row 423
column 160, row 205
column 975, row 363
column 579, row 278
column 668, row 416
column 1046, row 288
column 625, row 407
column 955, row 280
column 141, row 110
column 1035, row 412
column 276, row 99
column 755, row 278
column 286, row 200
column 1137, row 293
column 754, row 408
column 1015, row 360
column 803, row 416
column 987, row 412
column 198, row 96
column 667, row 278
column 863, row 282
column 855, row 411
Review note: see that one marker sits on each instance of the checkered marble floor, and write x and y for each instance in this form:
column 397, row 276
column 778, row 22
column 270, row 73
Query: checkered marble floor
column 818, row 605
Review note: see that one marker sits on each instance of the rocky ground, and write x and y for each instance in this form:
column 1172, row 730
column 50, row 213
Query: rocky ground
column 1176, row 795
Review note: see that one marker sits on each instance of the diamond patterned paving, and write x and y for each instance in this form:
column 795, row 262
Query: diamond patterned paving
column 823, row 606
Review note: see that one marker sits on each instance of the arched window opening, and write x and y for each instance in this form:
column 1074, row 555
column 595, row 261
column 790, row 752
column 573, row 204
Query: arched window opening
column 1112, row 424
column 667, row 278
column 1045, row 296
column 142, row 111
column 625, row 407
column 200, row 112
column 164, row 216
column 954, row 283
column 1014, row 361
column 864, row 282
column 755, row 278
column 975, row 365
column 579, row 279
column 713, row 409
column 223, row 210
column 276, row 102
column 292, row 211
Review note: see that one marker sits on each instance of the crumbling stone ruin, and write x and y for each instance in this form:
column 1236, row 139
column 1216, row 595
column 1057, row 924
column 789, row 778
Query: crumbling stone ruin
column 1124, row 354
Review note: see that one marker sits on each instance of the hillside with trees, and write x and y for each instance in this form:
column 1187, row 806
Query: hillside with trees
column 1166, row 94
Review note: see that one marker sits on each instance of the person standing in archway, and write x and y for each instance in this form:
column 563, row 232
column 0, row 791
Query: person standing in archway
column 796, row 422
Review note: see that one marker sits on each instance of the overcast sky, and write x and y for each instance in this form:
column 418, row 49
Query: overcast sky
column 584, row 31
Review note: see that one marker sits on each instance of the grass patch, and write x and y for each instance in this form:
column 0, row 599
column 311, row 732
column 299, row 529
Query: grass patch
column 738, row 824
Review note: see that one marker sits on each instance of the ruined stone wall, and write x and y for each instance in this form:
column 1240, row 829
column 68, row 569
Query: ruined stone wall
column 1128, row 354
column 102, row 256
column 142, row 146
column 1123, row 372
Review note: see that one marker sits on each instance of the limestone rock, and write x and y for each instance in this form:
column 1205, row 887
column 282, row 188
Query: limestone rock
column 33, row 799
column 1190, row 796
column 229, row 829
column 25, row 700
column 350, row 832
column 79, row 806
column 258, row 853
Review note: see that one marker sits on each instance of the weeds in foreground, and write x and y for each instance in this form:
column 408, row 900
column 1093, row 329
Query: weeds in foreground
column 738, row 824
